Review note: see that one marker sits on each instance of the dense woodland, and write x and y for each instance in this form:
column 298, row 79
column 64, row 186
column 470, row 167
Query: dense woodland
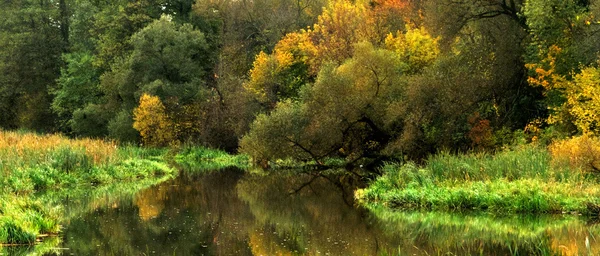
column 307, row 79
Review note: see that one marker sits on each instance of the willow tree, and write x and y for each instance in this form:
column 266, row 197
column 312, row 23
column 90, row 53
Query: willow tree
column 352, row 109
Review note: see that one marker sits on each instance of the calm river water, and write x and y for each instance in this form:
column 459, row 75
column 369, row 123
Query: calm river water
column 230, row 212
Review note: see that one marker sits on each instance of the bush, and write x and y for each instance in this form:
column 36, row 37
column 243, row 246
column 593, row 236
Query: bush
column 121, row 128
column 582, row 153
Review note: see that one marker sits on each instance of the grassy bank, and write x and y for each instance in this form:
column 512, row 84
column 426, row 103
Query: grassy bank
column 521, row 180
column 193, row 158
column 31, row 164
column 437, row 233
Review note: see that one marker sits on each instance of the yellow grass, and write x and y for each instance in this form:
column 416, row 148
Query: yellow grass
column 22, row 147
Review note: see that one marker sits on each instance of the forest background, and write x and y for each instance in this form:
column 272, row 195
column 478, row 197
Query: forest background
column 306, row 79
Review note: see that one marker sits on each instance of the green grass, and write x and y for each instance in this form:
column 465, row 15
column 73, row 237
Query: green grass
column 203, row 159
column 521, row 180
column 32, row 164
column 22, row 219
column 476, row 233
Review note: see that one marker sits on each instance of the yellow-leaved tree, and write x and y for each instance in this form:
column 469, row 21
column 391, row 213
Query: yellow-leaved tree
column 583, row 100
column 578, row 94
column 299, row 56
column 153, row 123
column 416, row 48
column 279, row 75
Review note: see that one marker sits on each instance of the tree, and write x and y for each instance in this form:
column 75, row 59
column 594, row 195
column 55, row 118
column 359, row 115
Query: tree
column 152, row 122
column 168, row 60
column 76, row 87
column 31, row 42
column 280, row 75
column 298, row 57
column 562, row 58
column 350, row 111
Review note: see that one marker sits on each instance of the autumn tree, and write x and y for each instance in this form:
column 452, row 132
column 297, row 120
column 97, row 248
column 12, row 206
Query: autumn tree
column 349, row 111
column 563, row 60
column 298, row 57
column 153, row 123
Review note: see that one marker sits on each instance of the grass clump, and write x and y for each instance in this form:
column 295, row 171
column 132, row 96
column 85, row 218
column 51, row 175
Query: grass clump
column 522, row 180
column 22, row 219
column 473, row 233
column 32, row 163
column 194, row 158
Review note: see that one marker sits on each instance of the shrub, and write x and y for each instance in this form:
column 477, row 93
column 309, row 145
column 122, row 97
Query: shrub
column 582, row 152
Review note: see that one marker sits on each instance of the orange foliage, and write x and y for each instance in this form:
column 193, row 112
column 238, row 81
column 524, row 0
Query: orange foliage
column 581, row 152
column 481, row 132
column 545, row 72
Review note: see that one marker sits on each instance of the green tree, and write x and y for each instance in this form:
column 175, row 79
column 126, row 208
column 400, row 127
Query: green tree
column 76, row 87
column 32, row 38
column 167, row 60
column 350, row 111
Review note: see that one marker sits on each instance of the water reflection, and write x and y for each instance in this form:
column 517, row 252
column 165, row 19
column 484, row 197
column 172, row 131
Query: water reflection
column 230, row 212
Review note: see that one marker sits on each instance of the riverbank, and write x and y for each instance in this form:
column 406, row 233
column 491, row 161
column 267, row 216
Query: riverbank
column 33, row 164
column 526, row 179
column 38, row 171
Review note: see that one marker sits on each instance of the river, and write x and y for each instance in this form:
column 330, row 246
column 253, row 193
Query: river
column 232, row 212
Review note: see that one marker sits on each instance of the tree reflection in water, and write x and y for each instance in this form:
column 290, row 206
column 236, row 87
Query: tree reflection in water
column 230, row 212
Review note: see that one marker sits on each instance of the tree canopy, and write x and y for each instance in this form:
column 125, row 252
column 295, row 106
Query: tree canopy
column 306, row 79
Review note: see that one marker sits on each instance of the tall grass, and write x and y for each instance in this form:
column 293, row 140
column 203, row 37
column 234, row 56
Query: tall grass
column 32, row 163
column 20, row 149
column 193, row 158
column 22, row 219
column 526, row 161
column 522, row 180
column 439, row 233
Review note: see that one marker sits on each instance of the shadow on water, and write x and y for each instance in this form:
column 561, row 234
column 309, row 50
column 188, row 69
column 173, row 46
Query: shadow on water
column 231, row 212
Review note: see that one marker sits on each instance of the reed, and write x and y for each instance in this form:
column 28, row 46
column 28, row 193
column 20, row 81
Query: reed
column 32, row 163
column 520, row 180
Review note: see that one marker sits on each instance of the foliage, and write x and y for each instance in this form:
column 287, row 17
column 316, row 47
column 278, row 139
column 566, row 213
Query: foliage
column 583, row 100
column 152, row 122
column 299, row 56
column 350, row 110
column 31, row 42
column 120, row 127
column 166, row 61
column 280, row 75
column 521, row 180
column 76, row 87
column 575, row 98
column 562, row 60
column 416, row 48
column 203, row 159
column 34, row 163
column 581, row 153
